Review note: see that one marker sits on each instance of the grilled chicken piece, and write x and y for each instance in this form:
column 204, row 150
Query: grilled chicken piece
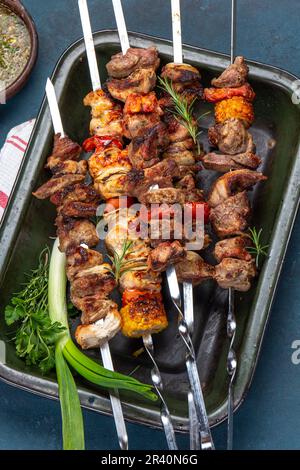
column 97, row 334
column 58, row 167
column 144, row 150
column 73, row 232
column 140, row 111
column 213, row 95
column 231, row 137
column 56, row 183
column 100, row 101
column 231, row 216
column 164, row 196
column 144, row 315
column 232, row 182
column 120, row 66
column 233, row 248
column 107, row 118
column 97, row 279
column 78, row 209
column 224, row 163
column 193, row 268
column 235, row 273
column 107, row 162
column 165, row 254
column 234, row 76
column 65, row 149
column 81, row 259
column 141, row 280
column 139, row 81
column 77, row 192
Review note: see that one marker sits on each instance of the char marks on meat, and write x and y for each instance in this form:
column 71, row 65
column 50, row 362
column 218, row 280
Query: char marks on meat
column 231, row 216
column 73, row 232
column 235, row 247
column 232, row 182
column 65, row 149
column 139, row 81
column 234, row 76
column 80, row 259
column 144, row 150
column 224, row 163
column 165, row 254
column 55, row 184
column 193, row 268
column 120, row 66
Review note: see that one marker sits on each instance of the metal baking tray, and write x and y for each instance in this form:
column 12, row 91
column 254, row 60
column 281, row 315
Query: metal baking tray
column 28, row 225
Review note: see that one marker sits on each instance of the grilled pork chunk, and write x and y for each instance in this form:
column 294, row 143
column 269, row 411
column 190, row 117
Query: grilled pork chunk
column 231, row 216
column 234, row 76
column 120, row 66
column 165, row 254
column 185, row 80
column 65, row 149
column 81, row 259
column 232, row 182
column 235, row 273
column 144, row 150
column 139, row 81
column 57, row 183
column 58, row 167
column 231, row 137
column 73, row 232
column 78, row 209
column 233, row 248
column 224, row 163
column 193, row 268
column 97, row 279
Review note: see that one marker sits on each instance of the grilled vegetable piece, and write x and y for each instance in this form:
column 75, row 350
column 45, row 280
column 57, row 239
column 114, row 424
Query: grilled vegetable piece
column 120, row 66
column 234, row 108
column 143, row 314
column 56, row 183
column 235, row 273
column 231, row 216
column 235, row 247
column 213, row 95
column 223, row 163
column 231, row 137
column 232, row 182
column 193, row 268
column 165, row 254
column 98, row 333
column 139, row 81
column 234, row 76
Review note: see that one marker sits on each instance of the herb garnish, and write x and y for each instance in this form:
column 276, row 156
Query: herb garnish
column 119, row 263
column 36, row 334
column 183, row 110
column 257, row 249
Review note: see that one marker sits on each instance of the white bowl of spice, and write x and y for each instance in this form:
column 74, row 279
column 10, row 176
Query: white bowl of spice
column 18, row 47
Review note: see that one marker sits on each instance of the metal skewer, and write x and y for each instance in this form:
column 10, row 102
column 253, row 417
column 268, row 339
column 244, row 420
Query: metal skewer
column 147, row 339
column 186, row 321
column 231, row 320
column 104, row 350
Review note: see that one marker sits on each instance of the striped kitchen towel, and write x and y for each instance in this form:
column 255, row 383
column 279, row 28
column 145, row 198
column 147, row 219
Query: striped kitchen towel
column 10, row 159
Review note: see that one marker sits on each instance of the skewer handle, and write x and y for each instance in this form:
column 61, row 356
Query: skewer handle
column 157, row 382
column 115, row 401
column 89, row 44
column 121, row 25
column 233, row 31
column 54, row 109
column 176, row 27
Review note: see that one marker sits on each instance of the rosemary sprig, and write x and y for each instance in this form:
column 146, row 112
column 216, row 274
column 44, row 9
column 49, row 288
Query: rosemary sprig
column 182, row 110
column 257, row 249
column 119, row 263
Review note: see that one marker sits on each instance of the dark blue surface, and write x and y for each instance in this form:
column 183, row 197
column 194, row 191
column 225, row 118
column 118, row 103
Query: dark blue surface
column 268, row 31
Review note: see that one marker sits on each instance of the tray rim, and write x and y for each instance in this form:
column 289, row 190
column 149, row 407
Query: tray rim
column 286, row 215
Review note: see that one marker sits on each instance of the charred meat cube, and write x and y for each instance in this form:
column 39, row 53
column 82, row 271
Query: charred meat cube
column 235, row 247
column 73, row 232
column 165, row 254
column 194, row 269
column 94, row 280
column 139, row 81
column 235, row 273
column 231, row 216
column 57, row 183
column 224, row 163
column 231, row 137
column 122, row 65
column 81, row 259
column 234, row 76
